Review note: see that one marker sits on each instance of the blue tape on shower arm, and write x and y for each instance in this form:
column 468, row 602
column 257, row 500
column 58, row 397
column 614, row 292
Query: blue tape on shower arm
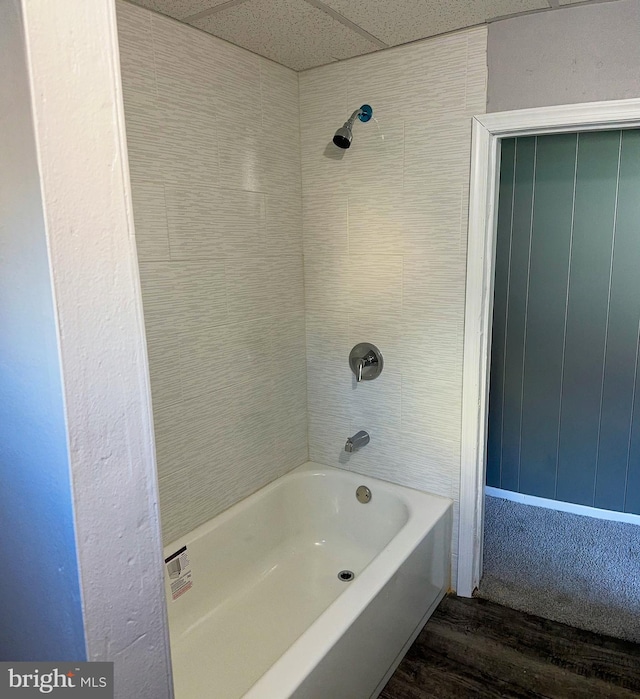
column 366, row 112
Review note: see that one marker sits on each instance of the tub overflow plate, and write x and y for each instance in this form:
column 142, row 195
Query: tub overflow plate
column 363, row 494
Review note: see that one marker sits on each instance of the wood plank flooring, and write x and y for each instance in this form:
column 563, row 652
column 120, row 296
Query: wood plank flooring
column 476, row 648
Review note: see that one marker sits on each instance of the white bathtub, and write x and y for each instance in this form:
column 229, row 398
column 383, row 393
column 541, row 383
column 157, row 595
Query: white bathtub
column 266, row 616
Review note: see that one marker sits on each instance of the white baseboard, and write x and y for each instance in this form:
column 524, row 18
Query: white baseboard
column 563, row 506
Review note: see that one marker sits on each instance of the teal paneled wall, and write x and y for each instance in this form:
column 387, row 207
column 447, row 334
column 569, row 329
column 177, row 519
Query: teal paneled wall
column 564, row 408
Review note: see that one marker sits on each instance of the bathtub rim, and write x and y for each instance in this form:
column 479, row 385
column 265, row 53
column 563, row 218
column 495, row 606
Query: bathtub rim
column 309, row 468
column 289, row 671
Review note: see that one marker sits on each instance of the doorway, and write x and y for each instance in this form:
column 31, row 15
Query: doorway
column 488, row 132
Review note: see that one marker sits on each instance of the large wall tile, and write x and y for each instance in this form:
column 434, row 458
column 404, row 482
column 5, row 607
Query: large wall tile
column 431, row 406
column 280, row 145
column 327, row 436
column 326, row 283
column 241, row 216
column 236, row 79
column 136, row 48
column 382, row 330
column 327, row 337
column 201, row 299
column 322, row 161
column 175, row 505
column 249, row 350
column 368, row 397
column 215, row 223
column 326, row 230
column 436, row 75
column 477, row 71
column 249, row 288
column 143, row 140
column 324, row 107
column 163, row 349
column 436, row 148
column 150, row 216
column 401, row 282
column 184, row 66
column 241, row 154
column 379, row 79
column 375, row 281
column 432, row 222
column 381, row 458
column 190, row 219
column 375, row 223
column 279, row 95
column 205, row 359
column 375, row 161
column 159, row 282
column 323, row 94
column 252, row 431
column 214, row 150
column 434, row 287
column 284, row 223
column 287, row 285
column 189, row 146
column 330, row 386
column 169, row 437
column 292, row 446
column 384, row 259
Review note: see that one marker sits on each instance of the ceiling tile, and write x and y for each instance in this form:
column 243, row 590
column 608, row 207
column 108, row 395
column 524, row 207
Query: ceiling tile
column 179, row 9
column 291, row 32
column 396, row 23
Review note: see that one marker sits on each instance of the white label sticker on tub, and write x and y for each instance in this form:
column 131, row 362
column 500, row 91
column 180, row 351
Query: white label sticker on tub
column 179, row 572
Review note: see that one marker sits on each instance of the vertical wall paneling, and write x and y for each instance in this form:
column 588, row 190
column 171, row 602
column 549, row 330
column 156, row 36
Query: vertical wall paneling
column 587, row 308
column 548, row 275
column 573, row 323
column 218, row 218
column 523, row 196
column 619, row 450
column 501, row 283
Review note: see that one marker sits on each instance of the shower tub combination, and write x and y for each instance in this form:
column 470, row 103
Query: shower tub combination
column 265, row 607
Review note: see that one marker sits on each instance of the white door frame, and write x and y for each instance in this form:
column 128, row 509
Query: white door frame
column 487, row 131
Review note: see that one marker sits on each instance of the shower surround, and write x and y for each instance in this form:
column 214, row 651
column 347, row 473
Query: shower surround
column 385, row 244
column 225, row 203
column 217, row 209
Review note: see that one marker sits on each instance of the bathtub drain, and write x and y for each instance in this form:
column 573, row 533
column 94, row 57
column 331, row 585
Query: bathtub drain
column 346, row 575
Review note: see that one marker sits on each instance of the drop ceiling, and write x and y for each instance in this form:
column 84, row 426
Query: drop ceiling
column 303, row 34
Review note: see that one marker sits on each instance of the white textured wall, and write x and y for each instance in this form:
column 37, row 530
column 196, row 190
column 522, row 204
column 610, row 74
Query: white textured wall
column 385, row 255
column 36, row 499
column 580, row 53
column 72, row 55
column 215, row 168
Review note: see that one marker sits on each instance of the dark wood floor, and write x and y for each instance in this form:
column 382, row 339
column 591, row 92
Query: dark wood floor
column 475, row 648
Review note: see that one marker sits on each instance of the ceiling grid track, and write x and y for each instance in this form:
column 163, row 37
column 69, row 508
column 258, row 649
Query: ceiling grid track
column 212, row 11
column 347, row 22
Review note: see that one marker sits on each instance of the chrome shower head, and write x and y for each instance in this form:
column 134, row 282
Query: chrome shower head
column 344, row 135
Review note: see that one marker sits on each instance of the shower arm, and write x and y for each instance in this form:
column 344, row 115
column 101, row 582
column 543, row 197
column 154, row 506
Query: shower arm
column 351, row 120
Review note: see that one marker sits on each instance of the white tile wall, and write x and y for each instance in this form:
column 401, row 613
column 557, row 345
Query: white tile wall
column 385, row 255
column 214, row 151
column 234, row 177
